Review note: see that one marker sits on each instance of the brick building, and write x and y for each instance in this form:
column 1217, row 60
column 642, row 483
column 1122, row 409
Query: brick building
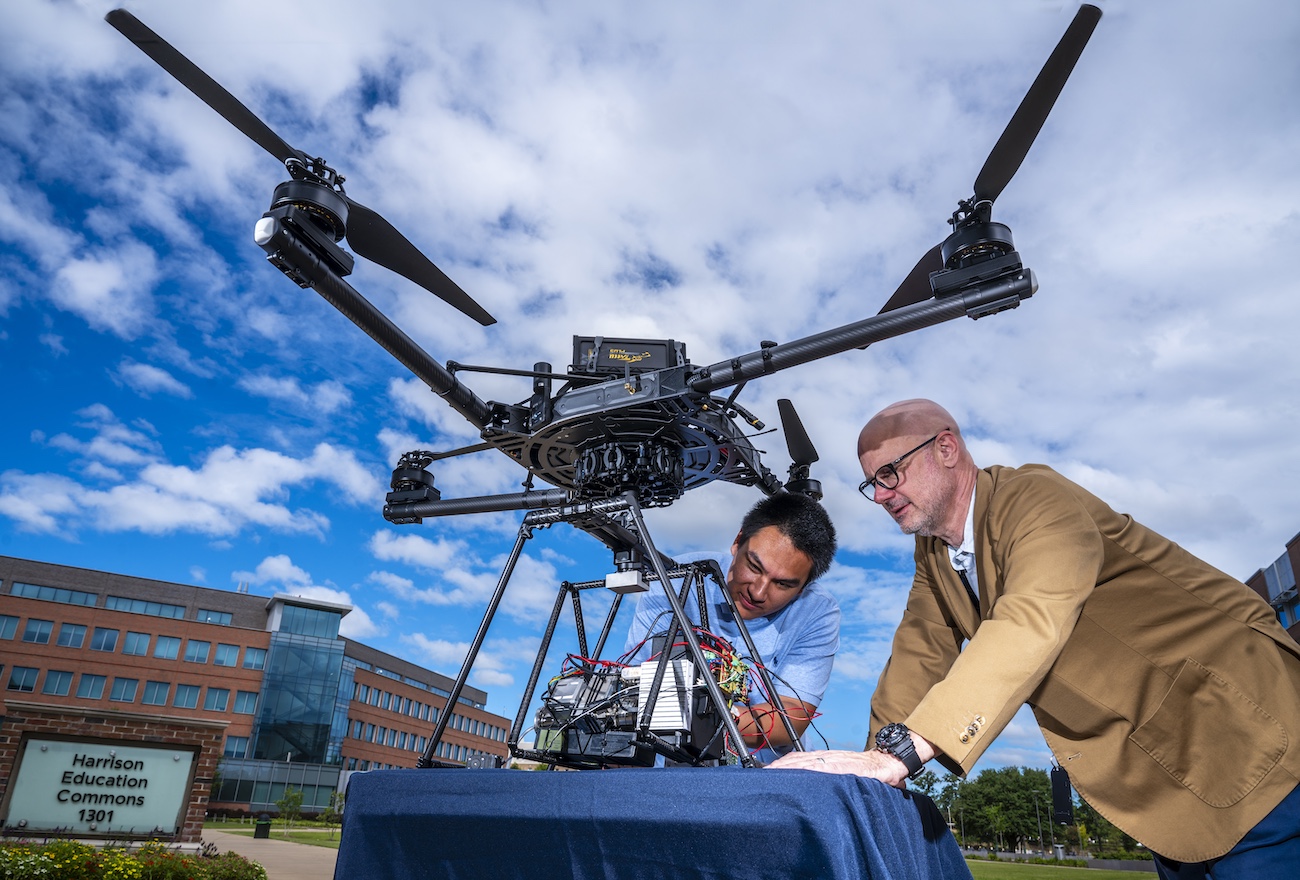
column 265, row 683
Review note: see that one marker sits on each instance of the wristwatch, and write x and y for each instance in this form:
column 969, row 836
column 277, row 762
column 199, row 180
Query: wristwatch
column 895, row 740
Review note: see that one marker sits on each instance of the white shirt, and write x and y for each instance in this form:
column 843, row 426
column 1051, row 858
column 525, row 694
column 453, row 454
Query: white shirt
column 963, row 557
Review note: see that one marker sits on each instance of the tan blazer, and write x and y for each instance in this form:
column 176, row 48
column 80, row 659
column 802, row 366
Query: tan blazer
column 1166, row 688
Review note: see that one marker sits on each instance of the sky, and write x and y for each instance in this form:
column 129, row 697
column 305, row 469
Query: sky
column 717, row 174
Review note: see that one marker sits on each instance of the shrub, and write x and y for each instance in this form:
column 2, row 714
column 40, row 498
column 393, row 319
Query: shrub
column 69, row 860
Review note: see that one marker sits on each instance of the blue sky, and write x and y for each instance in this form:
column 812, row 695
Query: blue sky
column 177, row 409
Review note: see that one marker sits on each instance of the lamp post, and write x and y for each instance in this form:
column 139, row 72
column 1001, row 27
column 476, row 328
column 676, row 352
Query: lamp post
column 1039, row 817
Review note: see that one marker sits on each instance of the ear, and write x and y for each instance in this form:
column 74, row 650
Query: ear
column 948, row 449
column 735, row 545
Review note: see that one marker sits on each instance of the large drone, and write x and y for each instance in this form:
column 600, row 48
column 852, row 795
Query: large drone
column 634, row 423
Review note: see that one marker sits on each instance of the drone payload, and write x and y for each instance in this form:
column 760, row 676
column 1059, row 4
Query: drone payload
column 634, row 423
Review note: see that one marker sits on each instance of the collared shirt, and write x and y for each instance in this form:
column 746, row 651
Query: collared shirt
column 963, row 557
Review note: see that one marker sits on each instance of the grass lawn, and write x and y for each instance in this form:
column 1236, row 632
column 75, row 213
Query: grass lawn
column 314, row 835
column 982, row 870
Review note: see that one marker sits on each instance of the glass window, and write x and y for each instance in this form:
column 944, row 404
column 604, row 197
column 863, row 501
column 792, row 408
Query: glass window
column 103, row 639
column 57, row 683
column 23, row 678
column 388, row 700
column 310, row 622
column 370, row 733
column 206, row 616
column 53, row 594
column 236, row 747
column 246, row 702
column 197, row 652
column 227, row 655
column 8, row 626
column 123, row 690
column 38, row 631
column 136, row 644
column 217, row 699
column 155, row 693
column 71, row 635
column 139, row 606
column 187, row 696
column 91, row 687
column 357, row 729
column 254, row 658
column 167, row 648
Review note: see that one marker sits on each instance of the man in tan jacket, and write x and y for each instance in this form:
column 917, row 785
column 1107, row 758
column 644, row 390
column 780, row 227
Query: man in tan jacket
column 1166, row 688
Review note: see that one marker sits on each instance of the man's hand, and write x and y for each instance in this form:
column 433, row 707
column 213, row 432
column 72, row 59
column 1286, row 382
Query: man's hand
column 761, row 725
column 873, row 763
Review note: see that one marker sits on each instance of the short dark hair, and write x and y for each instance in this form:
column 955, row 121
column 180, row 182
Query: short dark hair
column 799, row 518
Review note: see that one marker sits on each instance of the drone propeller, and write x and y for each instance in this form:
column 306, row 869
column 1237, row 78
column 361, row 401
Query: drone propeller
column 1002, row 163
column 802, row 452
column 1010, row 150
column 370, row 235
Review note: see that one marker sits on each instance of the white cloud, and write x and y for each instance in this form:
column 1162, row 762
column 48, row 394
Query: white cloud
column 323, row 398
column 111, row 290
column 280, row 573
column 146, row 380
column 230, row 490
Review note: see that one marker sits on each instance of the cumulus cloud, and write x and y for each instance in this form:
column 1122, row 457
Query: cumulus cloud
column 323, row 398
column 111, row 290
column 147, row 380
column 230, row 489
column 281, row 574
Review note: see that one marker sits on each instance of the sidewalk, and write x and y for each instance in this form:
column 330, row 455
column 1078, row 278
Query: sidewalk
column 281, row 859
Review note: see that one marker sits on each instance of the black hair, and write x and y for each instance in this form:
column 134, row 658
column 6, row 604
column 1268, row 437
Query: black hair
column 799, row 518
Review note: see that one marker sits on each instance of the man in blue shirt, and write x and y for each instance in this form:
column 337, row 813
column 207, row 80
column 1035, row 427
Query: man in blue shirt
column 785, row 543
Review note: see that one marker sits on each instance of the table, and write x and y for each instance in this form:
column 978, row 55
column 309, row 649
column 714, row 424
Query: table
column 639, row 824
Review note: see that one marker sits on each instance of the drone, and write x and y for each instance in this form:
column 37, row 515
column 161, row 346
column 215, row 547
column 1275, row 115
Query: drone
column 634, row 424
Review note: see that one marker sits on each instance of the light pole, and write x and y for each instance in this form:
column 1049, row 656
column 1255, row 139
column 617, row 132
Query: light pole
column 1039, row 817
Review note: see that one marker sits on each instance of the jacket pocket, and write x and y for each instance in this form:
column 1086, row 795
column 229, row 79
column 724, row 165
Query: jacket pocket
column 1211, row 737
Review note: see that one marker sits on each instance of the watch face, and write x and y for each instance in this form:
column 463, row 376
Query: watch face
column 891, row 735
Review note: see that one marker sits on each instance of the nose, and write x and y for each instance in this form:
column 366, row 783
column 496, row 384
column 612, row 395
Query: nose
column 881, row 494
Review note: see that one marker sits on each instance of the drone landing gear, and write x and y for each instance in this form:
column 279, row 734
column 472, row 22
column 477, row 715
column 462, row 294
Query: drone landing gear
column 624, row 733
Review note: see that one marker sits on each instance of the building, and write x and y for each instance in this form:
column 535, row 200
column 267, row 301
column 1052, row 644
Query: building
column 1276, row 583
column 266, row 682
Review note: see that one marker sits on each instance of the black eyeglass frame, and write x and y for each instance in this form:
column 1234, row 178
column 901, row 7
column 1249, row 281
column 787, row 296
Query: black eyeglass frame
column 867, row 488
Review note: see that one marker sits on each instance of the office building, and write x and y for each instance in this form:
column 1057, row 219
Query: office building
column 1276, row 583
column 285, row 699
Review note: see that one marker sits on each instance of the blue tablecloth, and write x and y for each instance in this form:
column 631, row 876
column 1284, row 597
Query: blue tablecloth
column 639, row 824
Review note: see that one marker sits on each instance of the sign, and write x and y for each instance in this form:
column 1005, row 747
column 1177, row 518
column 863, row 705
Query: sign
column 99, row 788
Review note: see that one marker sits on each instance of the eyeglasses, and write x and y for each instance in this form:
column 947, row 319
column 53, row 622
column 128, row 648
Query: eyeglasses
column 886, row 475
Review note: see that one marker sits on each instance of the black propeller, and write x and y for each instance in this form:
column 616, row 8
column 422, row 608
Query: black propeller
column 802, row 452
column 370, row 235
column 971, row 219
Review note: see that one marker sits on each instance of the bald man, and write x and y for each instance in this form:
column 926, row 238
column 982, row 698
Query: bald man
column 1166, row 688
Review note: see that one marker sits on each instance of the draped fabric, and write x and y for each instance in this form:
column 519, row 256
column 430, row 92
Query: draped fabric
column 639, row 824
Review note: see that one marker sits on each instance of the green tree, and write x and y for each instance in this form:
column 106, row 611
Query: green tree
column 290, row 806
column 333, row 812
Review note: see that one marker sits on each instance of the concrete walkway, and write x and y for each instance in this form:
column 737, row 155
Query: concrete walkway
column 282, row 859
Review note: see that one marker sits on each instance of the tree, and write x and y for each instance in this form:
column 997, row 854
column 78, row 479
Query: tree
column 333, row 812
column 289, row 806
